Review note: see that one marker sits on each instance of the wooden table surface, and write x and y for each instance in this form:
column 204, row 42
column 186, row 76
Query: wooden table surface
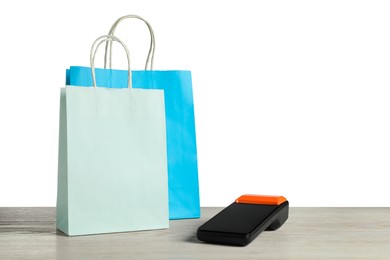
column 309, row 233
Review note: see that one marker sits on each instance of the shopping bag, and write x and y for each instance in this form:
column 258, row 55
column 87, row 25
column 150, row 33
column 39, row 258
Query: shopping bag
column 180, row 122
column 112, row 174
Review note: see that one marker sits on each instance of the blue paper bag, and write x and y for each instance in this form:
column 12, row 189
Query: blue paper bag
column 180, row 122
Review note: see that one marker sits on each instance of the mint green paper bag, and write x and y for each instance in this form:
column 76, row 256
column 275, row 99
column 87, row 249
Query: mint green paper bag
column 112, row 174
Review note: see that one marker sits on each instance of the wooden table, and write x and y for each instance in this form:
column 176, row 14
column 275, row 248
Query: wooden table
column 309, row 233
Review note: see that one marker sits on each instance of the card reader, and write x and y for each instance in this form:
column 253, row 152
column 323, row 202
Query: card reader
column 243, row 220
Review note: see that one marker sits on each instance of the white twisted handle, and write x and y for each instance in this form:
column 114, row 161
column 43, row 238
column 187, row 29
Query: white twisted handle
column 94, row 48
column 150, row 58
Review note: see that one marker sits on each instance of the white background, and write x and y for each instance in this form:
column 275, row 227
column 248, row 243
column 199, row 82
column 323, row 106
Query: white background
column 291, row 97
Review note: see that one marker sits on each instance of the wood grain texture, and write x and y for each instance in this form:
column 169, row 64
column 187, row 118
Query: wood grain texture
column 309, row 233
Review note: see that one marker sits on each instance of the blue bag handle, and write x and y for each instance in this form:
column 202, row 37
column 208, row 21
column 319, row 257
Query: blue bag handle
column 149, row 59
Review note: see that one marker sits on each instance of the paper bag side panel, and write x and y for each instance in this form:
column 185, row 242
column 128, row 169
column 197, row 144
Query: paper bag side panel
column 62, row 186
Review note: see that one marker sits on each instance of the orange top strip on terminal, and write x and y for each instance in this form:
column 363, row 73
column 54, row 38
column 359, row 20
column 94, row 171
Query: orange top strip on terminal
column 261, row 199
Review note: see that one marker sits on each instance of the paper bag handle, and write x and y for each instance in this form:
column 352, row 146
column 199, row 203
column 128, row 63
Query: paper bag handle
column 99, row 41
column 150, row 58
